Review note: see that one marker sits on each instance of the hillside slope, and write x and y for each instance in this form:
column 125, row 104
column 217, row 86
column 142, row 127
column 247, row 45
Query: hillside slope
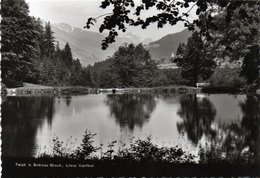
column 166, row 46
column 86, row 45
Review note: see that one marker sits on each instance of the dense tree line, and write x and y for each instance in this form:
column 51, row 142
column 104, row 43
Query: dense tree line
column 132, row 66
column 97, row 71
column 30, row 53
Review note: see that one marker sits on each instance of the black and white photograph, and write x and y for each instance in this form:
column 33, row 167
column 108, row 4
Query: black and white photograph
column 130, row 88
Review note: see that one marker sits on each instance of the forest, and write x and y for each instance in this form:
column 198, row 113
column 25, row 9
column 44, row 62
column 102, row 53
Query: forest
column 30, row 53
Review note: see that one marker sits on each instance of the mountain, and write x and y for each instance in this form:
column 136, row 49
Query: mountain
column 167, row 45
column 86, row 45
column 131, row 37
column 147, row 41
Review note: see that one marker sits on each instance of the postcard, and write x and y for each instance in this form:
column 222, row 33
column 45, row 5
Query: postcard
column 118, row 88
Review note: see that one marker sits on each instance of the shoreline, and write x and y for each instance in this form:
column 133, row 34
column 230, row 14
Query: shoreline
column 79, row 90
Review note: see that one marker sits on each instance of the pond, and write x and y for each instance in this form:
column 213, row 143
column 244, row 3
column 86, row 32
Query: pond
column 190, row 121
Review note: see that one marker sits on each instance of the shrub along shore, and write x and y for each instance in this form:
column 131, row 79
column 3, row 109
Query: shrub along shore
column 141, row 158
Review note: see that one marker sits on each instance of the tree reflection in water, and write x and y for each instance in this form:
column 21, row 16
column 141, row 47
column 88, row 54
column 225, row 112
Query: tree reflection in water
column 68, row 100
column 238, row 142
column 198, row 114
column 130, row 110
column 251, row 123
column 21, row 118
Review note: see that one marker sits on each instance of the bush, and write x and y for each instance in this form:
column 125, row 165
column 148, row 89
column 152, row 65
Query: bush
column 227, row 78
column 67, row 149
column 139, row 150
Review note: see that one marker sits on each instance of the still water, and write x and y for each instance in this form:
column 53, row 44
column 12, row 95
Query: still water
column 190, row 121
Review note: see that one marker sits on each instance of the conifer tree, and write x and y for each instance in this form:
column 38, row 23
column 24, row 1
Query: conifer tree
column 75, row 78
column 40, row 40
column 250, row 65
column 67, row 55
column 58, row 47
column 87, row 77
column 18, row 40
column 48, row 44
column 57, row 51
column 193, row 61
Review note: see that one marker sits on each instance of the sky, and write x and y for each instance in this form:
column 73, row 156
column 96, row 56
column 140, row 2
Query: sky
column 76, row 13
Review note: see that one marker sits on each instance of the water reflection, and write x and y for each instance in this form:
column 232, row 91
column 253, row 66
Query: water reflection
column 170, row 98
column 130, row 110
column 251, row 121
column 244, row 136
column 197, row 116
column 21, row 119
column 68, row 100
column 29, row 123
column 238, row 141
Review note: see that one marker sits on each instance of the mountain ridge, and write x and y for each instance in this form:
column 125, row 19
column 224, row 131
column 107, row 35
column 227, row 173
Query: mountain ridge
column 166, row 47
column 86, row 45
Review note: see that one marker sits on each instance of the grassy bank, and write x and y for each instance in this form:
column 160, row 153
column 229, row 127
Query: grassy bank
column 46, row 90
column 31, row 89
column 42, row 90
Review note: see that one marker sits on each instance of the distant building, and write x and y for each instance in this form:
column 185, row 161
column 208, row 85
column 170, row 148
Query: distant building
column 168, row 66
column 225, row 62
column 172, row 55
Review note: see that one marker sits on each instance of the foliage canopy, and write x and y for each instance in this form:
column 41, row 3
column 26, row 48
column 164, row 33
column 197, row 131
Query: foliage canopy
column 128, row 13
